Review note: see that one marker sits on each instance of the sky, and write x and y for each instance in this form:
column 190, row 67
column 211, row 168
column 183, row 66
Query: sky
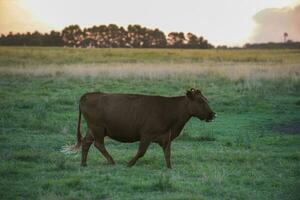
column 221, row 22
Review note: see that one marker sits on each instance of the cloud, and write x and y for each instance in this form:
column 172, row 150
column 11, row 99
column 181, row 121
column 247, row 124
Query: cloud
column 271, row 23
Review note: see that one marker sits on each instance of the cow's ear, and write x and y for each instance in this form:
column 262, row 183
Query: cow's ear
column 198, row 92
column 190, row 94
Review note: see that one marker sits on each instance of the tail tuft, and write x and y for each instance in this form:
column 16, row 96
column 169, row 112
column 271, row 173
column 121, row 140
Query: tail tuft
column 70, row 149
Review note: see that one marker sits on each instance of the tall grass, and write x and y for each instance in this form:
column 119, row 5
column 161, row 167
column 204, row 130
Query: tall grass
column 245, row 76
column 37, row 56
column 233, row 71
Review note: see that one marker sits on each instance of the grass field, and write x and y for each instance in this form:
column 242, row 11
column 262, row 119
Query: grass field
column 25, row 56
column 252, row 150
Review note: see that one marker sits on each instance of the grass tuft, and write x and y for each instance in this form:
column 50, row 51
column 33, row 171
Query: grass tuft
column 164, row 183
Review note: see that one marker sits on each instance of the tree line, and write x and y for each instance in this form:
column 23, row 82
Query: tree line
column 289, row 44
column 107, row 36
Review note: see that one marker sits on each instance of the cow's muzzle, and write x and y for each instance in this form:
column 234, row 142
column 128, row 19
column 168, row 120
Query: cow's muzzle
column 211, row 117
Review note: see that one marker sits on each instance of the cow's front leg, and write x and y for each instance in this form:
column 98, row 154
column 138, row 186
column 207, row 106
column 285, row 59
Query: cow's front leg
column 166, row 146
column 167, row 152
column 143, row 146
column 100, row 146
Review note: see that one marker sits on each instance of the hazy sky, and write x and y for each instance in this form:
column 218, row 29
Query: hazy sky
column 231, row 22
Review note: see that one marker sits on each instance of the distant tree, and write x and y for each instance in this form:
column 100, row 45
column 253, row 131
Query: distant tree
column 37, row 39
column 176, row 40
column 122, row 37
column 55, row 39
column 225, row 47
column 192, row 41
column 115, row 35
column 10, row 39
column 136, row 35
column 88, row 43
column 71, row 35
column 159, row 39
column 285, row 35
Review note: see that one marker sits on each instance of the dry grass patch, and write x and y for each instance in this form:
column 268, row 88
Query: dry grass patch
column 232, row 71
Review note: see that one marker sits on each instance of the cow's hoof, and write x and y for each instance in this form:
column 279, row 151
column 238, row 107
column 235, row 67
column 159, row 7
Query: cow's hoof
column 111, row 162
column 129, row 164
column 169, row 166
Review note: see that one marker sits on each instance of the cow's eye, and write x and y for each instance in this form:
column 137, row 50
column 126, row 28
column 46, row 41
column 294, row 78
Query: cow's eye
column 203, row 99
column 200, row 100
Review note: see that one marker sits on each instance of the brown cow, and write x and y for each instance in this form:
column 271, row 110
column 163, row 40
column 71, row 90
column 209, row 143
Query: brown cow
column 133, row 117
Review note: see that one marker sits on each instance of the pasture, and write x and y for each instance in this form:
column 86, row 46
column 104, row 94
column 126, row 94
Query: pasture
column 251, row 151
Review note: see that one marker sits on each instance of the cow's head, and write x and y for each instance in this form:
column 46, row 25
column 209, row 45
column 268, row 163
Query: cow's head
column 198, row 105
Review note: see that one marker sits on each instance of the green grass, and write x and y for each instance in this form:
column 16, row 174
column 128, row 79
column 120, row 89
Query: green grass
column 239, row 156
column 34, row 56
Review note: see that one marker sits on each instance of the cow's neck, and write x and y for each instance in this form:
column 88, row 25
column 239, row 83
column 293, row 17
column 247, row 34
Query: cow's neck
column 181, row 115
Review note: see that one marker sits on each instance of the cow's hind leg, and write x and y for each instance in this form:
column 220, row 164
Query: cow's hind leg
column 86, row 143
column 143, row 146
column 99, row 144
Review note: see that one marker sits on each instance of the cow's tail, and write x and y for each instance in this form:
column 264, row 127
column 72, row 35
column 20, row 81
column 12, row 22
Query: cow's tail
column 79, row 136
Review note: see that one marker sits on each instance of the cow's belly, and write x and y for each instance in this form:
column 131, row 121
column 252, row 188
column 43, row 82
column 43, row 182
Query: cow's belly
column 123, row 135
column 123, row 139
column 123, row 129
